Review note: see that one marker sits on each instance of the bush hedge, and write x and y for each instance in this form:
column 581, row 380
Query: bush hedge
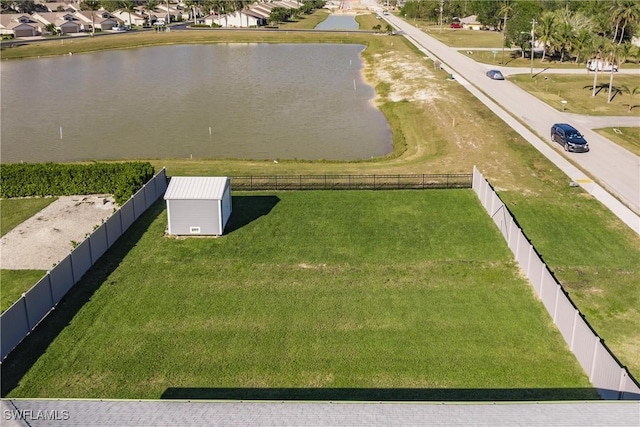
column 54, row 179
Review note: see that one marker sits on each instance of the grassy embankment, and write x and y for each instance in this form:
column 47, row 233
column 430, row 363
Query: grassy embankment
column 398, row 294
column 450, row 134
column 14, row 283
column 628, row 138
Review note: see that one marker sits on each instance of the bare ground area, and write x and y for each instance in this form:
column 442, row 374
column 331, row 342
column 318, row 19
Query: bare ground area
column 47, row 237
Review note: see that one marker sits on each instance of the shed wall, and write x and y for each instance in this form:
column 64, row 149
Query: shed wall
column 185, row 214
column 225, row 205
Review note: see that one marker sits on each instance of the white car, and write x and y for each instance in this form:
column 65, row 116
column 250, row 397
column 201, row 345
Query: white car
column 601, row 65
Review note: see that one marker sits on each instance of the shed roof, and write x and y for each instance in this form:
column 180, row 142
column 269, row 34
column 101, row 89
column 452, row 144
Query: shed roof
column 196, row 188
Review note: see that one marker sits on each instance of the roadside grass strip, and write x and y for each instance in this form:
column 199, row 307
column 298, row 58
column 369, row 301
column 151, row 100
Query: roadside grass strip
column 315, row 290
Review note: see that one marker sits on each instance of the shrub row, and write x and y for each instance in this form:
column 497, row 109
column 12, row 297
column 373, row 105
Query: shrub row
column 53, row 179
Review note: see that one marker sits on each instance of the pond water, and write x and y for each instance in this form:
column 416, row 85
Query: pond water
column 248, row 101
column 338, row 22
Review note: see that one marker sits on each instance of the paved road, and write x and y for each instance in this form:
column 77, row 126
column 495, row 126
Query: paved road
column 123, row 413
column 615, row 169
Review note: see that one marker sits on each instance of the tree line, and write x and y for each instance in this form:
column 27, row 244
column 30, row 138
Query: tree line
column 575, row 30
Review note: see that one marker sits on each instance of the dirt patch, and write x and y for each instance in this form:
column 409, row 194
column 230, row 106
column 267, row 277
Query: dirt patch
column 50, row 235
column 409, row 78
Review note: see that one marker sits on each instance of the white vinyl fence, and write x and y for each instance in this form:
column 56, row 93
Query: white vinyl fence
column 23, row 316
column 612, row 380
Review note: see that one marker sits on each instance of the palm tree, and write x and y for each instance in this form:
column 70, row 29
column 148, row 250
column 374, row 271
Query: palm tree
column 624, row 13
column 505, row 10
column 613, row 57
column 581, row 42
column 128, row 6
column 91, row 5
column 597, row 45
column 149, row 8
column 631, row 91
column 546, row 30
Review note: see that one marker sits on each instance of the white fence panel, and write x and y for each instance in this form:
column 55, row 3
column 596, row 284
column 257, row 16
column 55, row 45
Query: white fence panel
column 549, row 289
column 534, row 272
column 582, row 344
column 61, row 277
column 524, row 249
column 114, row 228
column 139, row 203
column 81, row 260
column 150, row 194
column 127, row 215
column 514, row 235
column 14, row 327
column 160, row 182
column 98, row 242
column 628, row 388
column 39, row 301
column 607, row 375
column 566, row 315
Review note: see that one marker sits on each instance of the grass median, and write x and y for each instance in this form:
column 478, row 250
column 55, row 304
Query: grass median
column 577, row 89
column 379, row 291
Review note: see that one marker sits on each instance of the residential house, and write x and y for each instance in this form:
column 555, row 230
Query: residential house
column 61, row 6
column 131, row 19
column 20, row 25
column 65, row 22
column 176, row 12
column 471, row 23
column 239, row 18
column 102, row 19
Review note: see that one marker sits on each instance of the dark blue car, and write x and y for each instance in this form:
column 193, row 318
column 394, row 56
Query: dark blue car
column 569, row 137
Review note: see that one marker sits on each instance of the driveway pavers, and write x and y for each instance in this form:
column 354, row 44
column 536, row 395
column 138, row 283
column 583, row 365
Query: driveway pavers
column 124, row 413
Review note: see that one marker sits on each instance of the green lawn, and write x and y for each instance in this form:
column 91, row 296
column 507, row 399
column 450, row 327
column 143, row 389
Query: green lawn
column 15, row 211
column 376, row 291
column 628, row 138
column 577, row 89
column 13, row 283
column 460, row 37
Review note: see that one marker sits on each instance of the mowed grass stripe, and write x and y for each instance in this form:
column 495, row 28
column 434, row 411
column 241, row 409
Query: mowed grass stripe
column 353, row 289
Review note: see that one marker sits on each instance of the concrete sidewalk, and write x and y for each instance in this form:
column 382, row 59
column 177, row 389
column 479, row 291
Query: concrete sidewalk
column 123, row 413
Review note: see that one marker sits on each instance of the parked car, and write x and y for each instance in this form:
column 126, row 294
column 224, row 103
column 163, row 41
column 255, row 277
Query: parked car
column 495, row 75
column 601, row 65
column 455, row 25
column 569, row 137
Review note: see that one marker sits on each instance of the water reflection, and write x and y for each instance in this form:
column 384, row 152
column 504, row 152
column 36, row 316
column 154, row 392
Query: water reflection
column 338, row 22
column 260, row 101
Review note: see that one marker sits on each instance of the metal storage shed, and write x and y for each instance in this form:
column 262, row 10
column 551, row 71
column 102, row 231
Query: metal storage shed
column 198, row 205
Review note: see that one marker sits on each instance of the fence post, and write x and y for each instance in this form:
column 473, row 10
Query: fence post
column 576, row 314
column 53, row 298
column 26, row 311
column 544, row 266
column 555, row 304
column 596, row 341
column 73, row 275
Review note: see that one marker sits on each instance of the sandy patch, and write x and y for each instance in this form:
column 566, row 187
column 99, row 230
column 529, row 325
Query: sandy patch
column 47, row 237
column 410, row 79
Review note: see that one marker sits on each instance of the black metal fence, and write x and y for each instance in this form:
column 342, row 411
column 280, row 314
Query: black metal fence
column 351, row 182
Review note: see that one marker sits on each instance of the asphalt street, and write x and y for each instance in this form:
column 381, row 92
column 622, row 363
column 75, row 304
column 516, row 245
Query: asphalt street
column 609, row 172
